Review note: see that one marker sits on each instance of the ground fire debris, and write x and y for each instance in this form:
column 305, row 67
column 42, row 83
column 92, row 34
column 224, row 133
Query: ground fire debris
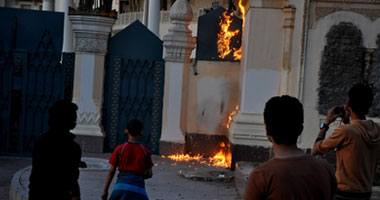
column 209, row 176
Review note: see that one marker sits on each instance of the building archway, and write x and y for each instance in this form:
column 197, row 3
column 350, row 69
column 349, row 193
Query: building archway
column 342, row 65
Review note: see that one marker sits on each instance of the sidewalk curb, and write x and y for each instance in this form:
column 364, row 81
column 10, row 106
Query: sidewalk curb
column 17, row 191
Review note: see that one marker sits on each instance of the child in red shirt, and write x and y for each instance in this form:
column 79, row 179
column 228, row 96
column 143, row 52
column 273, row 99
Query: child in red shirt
column 134, row 162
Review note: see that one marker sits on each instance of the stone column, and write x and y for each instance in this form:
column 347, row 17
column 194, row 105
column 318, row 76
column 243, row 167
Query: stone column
column 289, row 16
column 48, row 5
column 178, row 44
column 63, row 6
column 154, row 16
column 261, row 68
column 91, row 39
column 146, row 11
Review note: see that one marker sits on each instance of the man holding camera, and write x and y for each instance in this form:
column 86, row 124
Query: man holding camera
column 357, row 143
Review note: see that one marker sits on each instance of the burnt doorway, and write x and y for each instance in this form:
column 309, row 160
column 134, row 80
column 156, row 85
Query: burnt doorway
column 133, row 86
column 31, row 75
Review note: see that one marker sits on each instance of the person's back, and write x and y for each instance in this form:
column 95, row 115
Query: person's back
column 357, row 144
column 134, row 162
column 131, row 157
column 358, row 161
column 303, row 177
column 291, row 174
column 56, row 157
column 357, row 155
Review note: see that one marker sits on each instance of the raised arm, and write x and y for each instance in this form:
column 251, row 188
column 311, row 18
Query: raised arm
column 337, row 138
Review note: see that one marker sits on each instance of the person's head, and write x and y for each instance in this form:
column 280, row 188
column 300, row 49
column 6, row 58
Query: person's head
column 134, row 127
column 283, row 118
column 360, row 99
column 63, row 115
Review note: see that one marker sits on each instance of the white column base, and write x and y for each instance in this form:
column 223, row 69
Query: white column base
column 248, row 129
column 88, row 130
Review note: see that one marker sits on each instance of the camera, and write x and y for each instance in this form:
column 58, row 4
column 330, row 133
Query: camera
column 340, row 111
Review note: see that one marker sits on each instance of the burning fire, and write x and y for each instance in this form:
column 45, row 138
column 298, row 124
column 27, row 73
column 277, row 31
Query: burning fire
column 225, row 35
column 233, row 113
column 237, row 53
column 185, row 157
column 221, row 159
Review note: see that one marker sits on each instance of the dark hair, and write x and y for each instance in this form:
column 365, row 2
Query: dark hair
column 134, row 127
column 62, row 114
column 360, row 99
column 283, row 117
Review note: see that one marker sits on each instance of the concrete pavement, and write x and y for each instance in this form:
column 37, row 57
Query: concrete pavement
column 168, row 180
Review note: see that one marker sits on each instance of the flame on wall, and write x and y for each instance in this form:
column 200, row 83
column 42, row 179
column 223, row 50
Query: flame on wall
column 221, row 159
column 237, row 53
column 225, row 35
column 233, row 113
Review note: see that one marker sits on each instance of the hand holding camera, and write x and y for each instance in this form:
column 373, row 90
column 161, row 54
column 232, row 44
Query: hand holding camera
column 337, row 111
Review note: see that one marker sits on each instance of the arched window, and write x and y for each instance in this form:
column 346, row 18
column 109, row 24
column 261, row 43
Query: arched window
column 342, row 65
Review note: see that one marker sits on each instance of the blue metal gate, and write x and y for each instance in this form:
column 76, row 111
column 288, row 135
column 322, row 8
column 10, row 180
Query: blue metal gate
column 31, row 75
column 134, row 86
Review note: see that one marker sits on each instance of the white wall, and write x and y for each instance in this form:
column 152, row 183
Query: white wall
column 212, row 96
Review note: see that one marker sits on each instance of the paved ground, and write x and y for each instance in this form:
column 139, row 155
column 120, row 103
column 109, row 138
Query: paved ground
column 8, row 167
column 167, row 183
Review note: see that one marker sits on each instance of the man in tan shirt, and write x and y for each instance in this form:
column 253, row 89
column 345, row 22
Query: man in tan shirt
column 291, row 174
column 357, row 144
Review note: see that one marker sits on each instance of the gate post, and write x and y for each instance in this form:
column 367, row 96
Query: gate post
column 268, row 28
column 91, row 41
column 178, row 43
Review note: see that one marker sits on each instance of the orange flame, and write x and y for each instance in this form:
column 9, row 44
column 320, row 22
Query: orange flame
column 237, row 53
column 221, row 159
column 225, row 35
column 185, row 157
column 233, row 113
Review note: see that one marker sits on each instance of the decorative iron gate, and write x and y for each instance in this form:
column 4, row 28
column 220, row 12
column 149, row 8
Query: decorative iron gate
column 31, row 75
column 134, row 86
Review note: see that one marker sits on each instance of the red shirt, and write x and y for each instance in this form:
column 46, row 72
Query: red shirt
column 131, row 157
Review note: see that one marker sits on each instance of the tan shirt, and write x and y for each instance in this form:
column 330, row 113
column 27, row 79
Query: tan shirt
column 358, row 145
column 297, row 178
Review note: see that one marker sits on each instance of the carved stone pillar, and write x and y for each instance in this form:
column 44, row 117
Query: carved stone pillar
column 91, row 39
column 289, row 16
column 266, row 48
column 178, row 44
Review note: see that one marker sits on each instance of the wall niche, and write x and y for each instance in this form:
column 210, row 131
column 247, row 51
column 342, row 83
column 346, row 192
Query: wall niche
column 374, row 80
column 342, row 65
